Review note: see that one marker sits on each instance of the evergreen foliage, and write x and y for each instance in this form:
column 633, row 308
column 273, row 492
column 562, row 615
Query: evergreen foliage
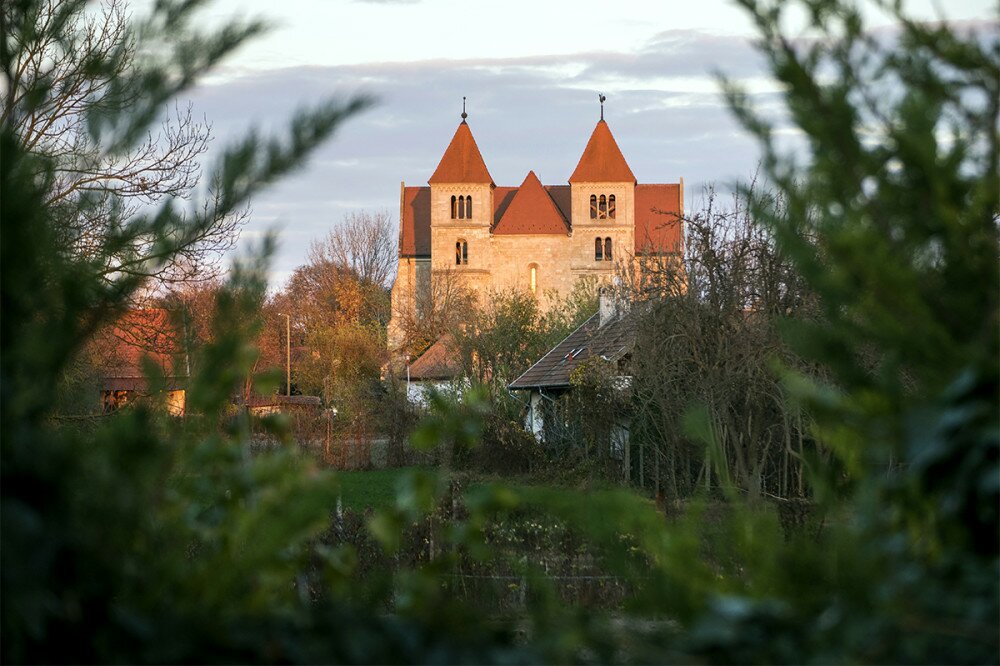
column 141, row 538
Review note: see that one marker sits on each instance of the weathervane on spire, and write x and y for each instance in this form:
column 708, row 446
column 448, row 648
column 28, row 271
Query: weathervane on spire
column 464, row 114
column 602, row 99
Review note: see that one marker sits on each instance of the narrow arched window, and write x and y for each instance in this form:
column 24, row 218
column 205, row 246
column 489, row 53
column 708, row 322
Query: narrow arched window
column 607, row 249
column 533, row 278
column 461, row 208
column 598, row 249
column 454, row 207
column 593, row 206
column 468, row 207
column 602, row 210
column 461, row 252
column 611, row 206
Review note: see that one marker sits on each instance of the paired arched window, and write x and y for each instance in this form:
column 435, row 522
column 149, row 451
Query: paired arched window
column 603, row 207
column 602, row 249
column 461, row 207
column 461, row 252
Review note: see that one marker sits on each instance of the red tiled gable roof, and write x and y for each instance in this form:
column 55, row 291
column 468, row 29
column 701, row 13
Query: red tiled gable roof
column 657, row 218
column 440, row 361
column 502, row 196
column 415, row 232
column 532, row 211
column 560, row 194
column 602, row 160
column 462, row 161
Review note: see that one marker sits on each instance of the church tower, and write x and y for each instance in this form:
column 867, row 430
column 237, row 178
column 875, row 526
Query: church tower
column 603, row 202
column 461, row 212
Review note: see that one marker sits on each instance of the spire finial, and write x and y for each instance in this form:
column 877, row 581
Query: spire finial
column 602, row 98
column 464, row 114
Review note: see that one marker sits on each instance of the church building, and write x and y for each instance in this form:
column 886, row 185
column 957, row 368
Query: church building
column 462, row 228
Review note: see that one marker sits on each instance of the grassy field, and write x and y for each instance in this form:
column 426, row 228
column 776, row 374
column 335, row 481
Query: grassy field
column 369, row 488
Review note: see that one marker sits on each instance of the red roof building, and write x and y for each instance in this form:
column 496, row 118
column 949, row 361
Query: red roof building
column 541, row 238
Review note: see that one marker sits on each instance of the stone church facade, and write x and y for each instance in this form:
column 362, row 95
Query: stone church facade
column 464, row 229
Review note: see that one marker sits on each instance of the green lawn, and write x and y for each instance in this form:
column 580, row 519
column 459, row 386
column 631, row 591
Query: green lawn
column 371, row 488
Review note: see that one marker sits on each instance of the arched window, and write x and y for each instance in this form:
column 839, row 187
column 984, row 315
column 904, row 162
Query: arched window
column 598, row 249
column 468, row 207
column 611, row 206
column 454, row 207
column 607, row 249
column 533, row 278
column 603, row 207
column 461, row 252
column 461, row 208
column 593, row 206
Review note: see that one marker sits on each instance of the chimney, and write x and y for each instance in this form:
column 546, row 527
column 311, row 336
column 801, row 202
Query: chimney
column 608, row 305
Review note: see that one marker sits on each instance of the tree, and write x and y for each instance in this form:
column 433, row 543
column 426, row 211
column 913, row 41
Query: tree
column 122, row 503
column 497, row 340
column 68, row 70
column 364, row 244
column 421, row 317
column 712, row 336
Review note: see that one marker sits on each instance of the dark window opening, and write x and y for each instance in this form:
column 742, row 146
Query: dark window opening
column 607, row 249
column 603, row 207
column 598, row 249
column 593, row 206
column 454, row 207
column 611, row 206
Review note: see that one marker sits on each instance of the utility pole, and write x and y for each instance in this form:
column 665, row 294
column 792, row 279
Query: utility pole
column 288, row 353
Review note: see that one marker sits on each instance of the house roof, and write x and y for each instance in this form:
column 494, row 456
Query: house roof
column 462, row 162
column 658, row 218
column 531, row 211
column 415, row 230
column 439, row 361
column 602, row 160
column 553, row 371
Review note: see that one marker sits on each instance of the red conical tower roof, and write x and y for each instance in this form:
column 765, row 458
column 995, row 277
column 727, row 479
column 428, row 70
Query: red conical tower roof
column 462, row 161
column 602, row 160
column 531, row 211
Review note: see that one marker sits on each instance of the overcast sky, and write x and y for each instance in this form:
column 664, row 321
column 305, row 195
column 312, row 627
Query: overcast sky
column 531, row 71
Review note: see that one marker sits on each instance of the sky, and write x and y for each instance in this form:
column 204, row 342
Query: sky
column 531, row 71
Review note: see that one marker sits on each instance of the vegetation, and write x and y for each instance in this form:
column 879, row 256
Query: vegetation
column 369, row 489
column 71, row 78
column 143, row 538
column 497, row 342
column 723, row 305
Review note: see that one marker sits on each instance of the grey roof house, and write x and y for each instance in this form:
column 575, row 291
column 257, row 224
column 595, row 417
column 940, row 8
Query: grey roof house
column 609, row 334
